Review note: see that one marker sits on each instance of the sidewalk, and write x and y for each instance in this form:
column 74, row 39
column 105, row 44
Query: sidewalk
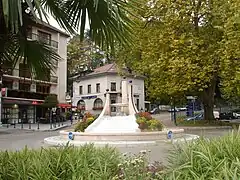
column 40, row 127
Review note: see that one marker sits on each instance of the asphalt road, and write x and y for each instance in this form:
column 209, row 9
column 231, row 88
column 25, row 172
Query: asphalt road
column 13, row 139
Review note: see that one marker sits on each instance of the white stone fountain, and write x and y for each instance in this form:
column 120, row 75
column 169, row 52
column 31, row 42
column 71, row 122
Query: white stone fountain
column 124, row 121
column 121, row 129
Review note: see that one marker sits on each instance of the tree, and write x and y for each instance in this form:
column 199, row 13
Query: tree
column 51, row 101
column 185, row 47
column 107, row 19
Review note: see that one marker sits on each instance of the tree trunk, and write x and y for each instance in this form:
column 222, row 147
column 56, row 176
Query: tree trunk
column 208, row 101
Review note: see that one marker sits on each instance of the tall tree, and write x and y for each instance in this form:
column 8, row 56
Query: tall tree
column 185, row 46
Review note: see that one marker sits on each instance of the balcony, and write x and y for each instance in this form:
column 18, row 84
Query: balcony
column 26, row 95
column 26, row 74
column 46, row 41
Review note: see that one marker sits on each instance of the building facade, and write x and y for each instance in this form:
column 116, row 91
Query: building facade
column 22, row 93
column 89, row 90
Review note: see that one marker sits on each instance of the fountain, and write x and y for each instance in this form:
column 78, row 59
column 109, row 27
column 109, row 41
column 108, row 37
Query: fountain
column 121, row 129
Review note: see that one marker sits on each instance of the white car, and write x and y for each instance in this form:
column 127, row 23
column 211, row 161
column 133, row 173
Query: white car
column 236, row 115
column 216, row 115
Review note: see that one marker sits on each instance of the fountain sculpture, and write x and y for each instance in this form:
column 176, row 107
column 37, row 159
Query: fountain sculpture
column 121, row 129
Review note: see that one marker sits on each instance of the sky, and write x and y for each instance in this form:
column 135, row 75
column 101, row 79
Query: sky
column 54, row 23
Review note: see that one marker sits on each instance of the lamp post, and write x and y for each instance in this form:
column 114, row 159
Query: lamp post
column 53, row 114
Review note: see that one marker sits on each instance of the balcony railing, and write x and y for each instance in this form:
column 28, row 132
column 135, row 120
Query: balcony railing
column 47, row 41
column 27, row 74
column 25, row 94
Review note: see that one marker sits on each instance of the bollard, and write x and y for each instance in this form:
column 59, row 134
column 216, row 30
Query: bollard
column 7, row 125
column 62, row 120
column 14, row 125
column 29, row 124
column 38, row 124
column 58, row 122
column 21, row 124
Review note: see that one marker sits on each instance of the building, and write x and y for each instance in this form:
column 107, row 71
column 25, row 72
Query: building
column 22, row 93
column 89, row 89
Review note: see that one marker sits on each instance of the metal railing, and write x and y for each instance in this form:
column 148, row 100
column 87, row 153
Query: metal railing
column 26, row 74
column 47, row 41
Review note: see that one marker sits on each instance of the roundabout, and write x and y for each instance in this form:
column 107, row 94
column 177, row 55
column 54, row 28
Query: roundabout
column 119, row 130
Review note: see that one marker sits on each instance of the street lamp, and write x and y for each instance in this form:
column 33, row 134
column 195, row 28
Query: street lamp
column 54, row 113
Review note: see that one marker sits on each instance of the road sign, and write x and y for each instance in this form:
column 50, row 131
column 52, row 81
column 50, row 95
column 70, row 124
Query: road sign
column 70, row 136
column 170, row 135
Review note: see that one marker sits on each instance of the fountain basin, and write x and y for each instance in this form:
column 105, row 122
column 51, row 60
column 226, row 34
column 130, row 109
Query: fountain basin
column 136, row 136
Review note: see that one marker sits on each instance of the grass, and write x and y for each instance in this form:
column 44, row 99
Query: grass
column 87, row 162
column 213, row 159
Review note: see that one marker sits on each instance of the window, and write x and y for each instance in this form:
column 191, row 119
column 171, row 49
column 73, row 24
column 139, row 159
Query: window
column 80, row 90
column 24, row 70
column 44, row 37
column 43, row 88
column 98, row 87
column 98, row 104
column 113, row 108
column 113, row 86
column 24, row 87
column 89, row 89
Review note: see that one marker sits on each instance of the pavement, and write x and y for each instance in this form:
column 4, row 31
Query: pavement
column 40, row 127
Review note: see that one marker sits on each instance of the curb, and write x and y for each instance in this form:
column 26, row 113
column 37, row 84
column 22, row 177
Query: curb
column 206, row 128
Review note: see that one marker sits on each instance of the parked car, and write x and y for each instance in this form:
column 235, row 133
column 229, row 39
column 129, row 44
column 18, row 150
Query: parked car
column 194, row 118
column 0, row 124
column 227, row 115
column 201, row 116
column 155, row 111
column 182, row 109
column 172, row 110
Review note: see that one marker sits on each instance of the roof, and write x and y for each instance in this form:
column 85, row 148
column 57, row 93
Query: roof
column 43, row 24
column 110, row 69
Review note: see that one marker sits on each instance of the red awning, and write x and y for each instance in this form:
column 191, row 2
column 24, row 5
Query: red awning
column 64, row 105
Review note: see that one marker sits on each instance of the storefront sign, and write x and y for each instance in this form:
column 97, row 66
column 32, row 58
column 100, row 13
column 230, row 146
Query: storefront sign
column 89, row 97
column 13, row 101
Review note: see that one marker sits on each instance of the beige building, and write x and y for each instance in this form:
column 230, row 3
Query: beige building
column 22, row 96
column 89, row 90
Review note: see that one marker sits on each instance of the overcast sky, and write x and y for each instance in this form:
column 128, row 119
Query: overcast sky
column 54, row 23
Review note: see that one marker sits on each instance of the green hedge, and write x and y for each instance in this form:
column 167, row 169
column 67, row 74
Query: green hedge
column 86, row 163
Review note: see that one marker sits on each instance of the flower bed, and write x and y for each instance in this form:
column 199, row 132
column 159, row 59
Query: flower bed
column 147, row 123
column 88, row 119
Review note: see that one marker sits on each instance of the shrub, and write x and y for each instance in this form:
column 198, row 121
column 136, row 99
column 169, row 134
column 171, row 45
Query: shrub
column 86, row 162
column 146, row 115
column 206, row 159
column 149, row 124
column 155, row 124
column 67, row 115
column 88, row 119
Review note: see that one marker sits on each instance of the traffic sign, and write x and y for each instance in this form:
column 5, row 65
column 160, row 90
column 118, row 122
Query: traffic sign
column 70, row 136
column 170, row 135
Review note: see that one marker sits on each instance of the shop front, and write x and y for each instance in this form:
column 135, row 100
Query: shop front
column 19, row 110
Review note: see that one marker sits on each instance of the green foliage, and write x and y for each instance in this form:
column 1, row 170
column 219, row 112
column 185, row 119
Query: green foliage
column 68, row 115
column 88, row 119
column 183, row 47
column 206, row 159
column 146, row 122
column 51, row 101
column 86, row 162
